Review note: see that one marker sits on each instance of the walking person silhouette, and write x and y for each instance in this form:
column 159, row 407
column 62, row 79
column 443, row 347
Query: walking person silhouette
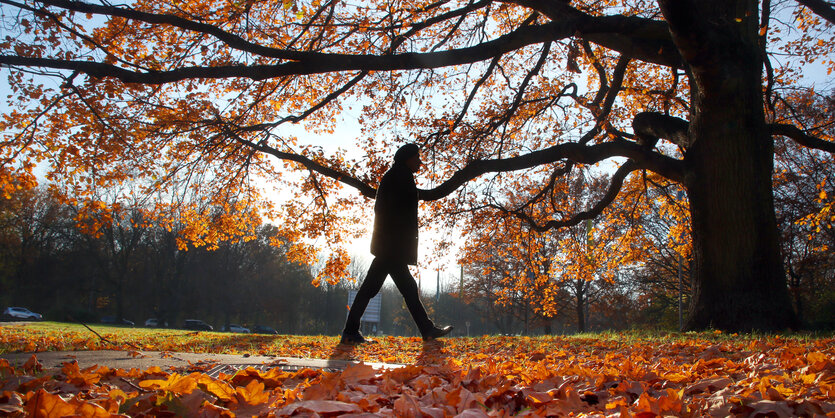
column 394, row 245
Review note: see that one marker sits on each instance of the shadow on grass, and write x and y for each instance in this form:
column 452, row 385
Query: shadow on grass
column 431, row 353
column 343, row 352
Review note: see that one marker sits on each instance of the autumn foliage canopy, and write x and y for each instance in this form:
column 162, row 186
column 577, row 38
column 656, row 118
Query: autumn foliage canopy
column 192, row 110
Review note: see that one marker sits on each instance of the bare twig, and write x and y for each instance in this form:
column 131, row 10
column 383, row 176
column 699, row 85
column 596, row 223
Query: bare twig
column 102, row 338
column 135, row 386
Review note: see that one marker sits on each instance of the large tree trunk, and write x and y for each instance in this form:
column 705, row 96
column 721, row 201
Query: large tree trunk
column 740, row 284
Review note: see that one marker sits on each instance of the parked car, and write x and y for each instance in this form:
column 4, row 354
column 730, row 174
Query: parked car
column 156, row 323
column 112, row 320
column 263, row 329
column 235, row 328
column 197, row 324
column 19, row 314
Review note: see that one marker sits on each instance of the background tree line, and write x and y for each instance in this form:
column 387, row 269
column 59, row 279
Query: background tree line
column 132, row 269
column 55, row 262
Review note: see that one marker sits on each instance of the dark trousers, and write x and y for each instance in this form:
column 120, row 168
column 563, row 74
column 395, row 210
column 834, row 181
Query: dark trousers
column 399, row 272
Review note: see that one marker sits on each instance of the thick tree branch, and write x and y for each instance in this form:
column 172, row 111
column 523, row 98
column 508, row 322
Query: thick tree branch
column 583, row 154
column 311, row 63
column 70, row 30
column 821, row 8
column 611, row 193
column 642, row 157
column 597, row 29
column 650, row 126
column 645, row 39
column 801, row 137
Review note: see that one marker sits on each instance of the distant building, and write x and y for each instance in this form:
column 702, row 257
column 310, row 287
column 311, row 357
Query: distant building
column 370, row 321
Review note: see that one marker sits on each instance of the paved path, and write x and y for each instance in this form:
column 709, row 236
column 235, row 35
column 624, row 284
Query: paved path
column 226, row 363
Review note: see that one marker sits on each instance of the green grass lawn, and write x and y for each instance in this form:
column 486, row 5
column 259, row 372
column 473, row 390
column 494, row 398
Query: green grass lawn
column 50, row 336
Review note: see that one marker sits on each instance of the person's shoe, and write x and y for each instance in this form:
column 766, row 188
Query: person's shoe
column 436, row 332
column 354, row 339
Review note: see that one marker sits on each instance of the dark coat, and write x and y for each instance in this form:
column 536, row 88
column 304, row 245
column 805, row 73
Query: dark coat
column 396, row 216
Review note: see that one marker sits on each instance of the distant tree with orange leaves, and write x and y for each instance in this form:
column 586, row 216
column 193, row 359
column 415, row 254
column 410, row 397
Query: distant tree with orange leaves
column 803, row 187
column 573, row 268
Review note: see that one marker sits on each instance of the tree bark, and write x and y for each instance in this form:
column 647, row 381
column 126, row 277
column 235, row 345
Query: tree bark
column 740, row 284
column 580, row 305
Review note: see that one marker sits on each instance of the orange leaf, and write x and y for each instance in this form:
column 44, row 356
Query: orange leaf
column 6, row 368
column 319, row 407
column 218, row 388
column 45, row 404
column 212, row 410
column 32, row 365
column 358, row 373
column 175, row 383
column 91, row 410
column 252, row 394
column 539, row 398
column 79, row 377
column 135, row 354
column 406, row 406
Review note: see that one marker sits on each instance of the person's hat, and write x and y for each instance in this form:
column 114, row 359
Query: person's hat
column 405, row 152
